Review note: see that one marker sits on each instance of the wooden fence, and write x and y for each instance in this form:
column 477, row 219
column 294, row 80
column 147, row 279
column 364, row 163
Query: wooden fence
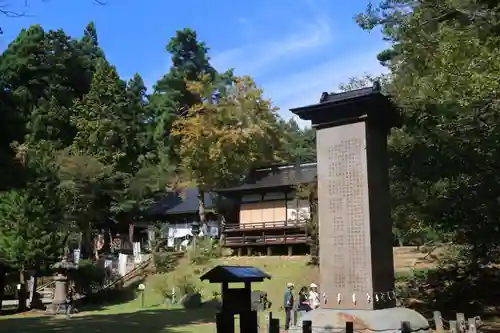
column 458, row 325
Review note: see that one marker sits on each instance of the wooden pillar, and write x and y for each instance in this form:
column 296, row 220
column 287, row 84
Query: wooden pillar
column 249, row 251
column 290, row 250
column 224, row 290
column 249, row 322
column 248, row 318
column 269, row 251
column 224, row 323
column 240, row 252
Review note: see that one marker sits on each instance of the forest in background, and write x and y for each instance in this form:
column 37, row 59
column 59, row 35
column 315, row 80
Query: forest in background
column 82, row 149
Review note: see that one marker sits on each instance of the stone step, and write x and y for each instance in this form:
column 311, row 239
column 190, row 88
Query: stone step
column 46, row 293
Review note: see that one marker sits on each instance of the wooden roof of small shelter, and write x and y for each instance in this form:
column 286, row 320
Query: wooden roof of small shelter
column 220, row 274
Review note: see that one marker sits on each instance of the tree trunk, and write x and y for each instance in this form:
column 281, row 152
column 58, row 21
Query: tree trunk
column 106, row 233
column 2, row 282
column 131, row 228
column 313, row 228
column 201, row 209
column 22, row 290
column 400, row 240
column 474, row 259
column 87, row 246
column 80, row 237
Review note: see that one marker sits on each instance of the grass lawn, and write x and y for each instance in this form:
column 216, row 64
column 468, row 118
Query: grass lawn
column 149, row 320
column 129, row 316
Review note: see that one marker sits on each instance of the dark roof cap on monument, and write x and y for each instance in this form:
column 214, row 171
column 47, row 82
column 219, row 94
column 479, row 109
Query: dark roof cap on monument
column 276, row 176
column 347, row 95
column 221, row 274
column 348, row 104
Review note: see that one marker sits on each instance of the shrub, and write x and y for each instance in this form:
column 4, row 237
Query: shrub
column 191, row 301
column 88, row 277
column 164, row 262
column 186, row 283
column 162, row 285
column 206, row 249
column 182, row 281
column 412, row 282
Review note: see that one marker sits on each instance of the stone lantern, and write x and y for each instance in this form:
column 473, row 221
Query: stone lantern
column 61, row 268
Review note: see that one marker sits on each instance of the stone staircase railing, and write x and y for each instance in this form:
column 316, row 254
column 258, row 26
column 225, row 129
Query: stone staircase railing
column 46, row 290
column 134, row 272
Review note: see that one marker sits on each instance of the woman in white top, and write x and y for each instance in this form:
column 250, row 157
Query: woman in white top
column 313, row 296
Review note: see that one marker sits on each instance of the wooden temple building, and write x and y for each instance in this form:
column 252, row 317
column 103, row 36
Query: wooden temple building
column 177, row 209
column 271, row 217
column 265, row 215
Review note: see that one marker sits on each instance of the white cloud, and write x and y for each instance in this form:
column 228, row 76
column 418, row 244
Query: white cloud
column 254, row 58
column 305, row 87
column 282, row 65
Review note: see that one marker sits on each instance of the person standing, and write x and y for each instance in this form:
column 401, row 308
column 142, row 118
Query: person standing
column 69, row 303
column 303, row 302
column 288, row 304
column 313, row 296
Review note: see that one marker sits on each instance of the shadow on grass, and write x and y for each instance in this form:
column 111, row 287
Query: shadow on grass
column 453, row 290
column 105, row 298
column 150, row 321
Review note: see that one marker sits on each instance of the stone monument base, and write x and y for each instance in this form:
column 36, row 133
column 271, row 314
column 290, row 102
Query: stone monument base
column 387, row 320
column 54, row 308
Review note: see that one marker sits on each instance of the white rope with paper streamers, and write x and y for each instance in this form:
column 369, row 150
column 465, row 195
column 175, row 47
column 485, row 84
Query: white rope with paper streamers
column 384, row 296
column 338, row 298
column 354, row 298
column 368, row 298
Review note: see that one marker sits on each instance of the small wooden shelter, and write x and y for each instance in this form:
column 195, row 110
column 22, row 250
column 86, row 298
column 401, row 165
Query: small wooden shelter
column 236, row 300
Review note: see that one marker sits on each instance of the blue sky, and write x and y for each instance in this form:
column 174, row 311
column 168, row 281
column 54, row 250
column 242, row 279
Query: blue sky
column 295, row 49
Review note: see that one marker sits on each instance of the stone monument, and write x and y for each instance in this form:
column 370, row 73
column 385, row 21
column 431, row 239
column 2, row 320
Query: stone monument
column 355, row 228
column 62, row 269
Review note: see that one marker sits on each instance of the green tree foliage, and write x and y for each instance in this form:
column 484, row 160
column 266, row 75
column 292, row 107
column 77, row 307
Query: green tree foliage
column 32, row 225
column 112, row 136
column 409, row 228
column 9, row 168
column 300, row 143
column 172, row 97
column 189, row 61
column 42, row 73
column 309, row 192
column 83, row 150
column 226, row 135
column 445, row 77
